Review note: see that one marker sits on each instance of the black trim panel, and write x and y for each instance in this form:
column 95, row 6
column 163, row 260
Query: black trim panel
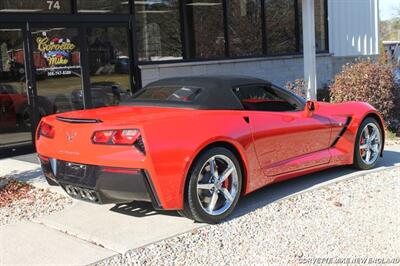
column 153, row 195
column 342, row 131
column 104, row 184
column 78, row 120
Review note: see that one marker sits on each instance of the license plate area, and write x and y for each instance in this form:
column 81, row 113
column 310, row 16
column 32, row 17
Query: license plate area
column 75, row 169
column 76, row 173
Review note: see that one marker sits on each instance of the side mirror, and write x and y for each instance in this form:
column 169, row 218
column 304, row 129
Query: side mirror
column 310, row 108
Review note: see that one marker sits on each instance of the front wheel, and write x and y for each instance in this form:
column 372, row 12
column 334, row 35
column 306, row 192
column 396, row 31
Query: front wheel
column 368, row 146
column 214, row 186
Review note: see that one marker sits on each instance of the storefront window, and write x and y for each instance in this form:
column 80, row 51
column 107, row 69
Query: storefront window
column 320, row 25
column 245, row 35
column 159, row 30
column 57, row 62
column 50, row 6
column 205, row 25
column 280, row 23
column 109, row 65
column 15, row 111
column 103, row 6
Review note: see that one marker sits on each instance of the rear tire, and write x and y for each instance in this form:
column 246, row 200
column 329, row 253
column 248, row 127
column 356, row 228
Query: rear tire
column 185, row 214
column 368, row 146
column 213, row 187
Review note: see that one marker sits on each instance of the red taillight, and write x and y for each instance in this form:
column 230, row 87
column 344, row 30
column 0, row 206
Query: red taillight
column 46, row 130
column 125, row 137
column 102, row 137
column 116, row 137
column 120, row 170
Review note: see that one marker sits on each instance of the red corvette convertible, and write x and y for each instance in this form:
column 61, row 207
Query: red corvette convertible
column 196, row 144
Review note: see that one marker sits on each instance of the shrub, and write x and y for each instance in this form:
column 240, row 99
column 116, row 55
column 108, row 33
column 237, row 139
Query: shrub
column 298, row 86
column 371, row 82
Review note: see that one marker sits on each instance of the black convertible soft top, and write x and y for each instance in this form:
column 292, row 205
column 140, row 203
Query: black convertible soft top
column 216, row 94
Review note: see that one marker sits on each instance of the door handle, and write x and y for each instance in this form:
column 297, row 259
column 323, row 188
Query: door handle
column 30, row 90
column 246, row 119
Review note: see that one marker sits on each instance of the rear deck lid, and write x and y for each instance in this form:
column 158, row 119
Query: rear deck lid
column 119, row 114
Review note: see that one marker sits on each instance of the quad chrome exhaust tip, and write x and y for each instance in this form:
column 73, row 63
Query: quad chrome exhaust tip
column 81, row 193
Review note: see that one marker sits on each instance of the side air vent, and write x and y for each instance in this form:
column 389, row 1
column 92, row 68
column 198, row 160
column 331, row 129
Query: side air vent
column 140, row 145
column 78, row 120
column 342, row 131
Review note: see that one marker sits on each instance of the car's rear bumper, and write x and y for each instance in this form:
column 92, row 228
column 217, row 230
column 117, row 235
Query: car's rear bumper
column 99, row 184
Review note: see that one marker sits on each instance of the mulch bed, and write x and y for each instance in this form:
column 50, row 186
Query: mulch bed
column 13, row 190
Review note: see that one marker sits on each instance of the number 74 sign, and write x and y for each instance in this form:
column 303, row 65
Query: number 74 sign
column 53, row 4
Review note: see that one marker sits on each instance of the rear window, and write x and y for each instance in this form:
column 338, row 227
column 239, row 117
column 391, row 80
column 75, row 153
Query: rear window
column 171, row 94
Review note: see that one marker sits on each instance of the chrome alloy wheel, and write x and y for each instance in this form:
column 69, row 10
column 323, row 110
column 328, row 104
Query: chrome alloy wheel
column 370, row 143
column 217, row 185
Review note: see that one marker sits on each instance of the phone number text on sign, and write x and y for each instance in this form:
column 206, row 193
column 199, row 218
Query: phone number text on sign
column 59, row 73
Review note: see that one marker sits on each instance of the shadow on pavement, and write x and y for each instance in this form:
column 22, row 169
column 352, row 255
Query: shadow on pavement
column 28, row 176
column 390, row 158
column 140, row 209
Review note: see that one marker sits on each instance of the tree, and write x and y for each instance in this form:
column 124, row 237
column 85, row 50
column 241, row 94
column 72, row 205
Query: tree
column 390, row 29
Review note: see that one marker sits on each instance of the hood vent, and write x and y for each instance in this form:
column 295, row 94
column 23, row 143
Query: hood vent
column 78, row 120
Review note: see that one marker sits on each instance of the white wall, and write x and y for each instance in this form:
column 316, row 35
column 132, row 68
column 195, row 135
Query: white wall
column 353, row 27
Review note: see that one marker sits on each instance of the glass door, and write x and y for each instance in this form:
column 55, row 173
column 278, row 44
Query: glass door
column 15, row 110
column 68, row 66
column 109, row 64
column 85, row 66
column 56, row 55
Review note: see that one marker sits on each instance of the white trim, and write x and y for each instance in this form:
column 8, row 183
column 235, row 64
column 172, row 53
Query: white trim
column 228, row 61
